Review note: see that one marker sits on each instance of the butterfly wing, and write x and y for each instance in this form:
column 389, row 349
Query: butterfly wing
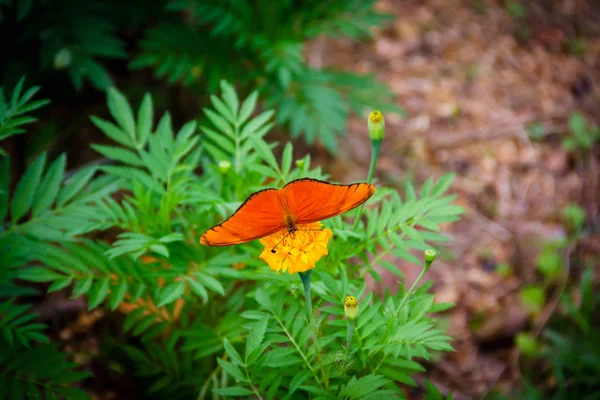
column 311, row 200
column 259, row 216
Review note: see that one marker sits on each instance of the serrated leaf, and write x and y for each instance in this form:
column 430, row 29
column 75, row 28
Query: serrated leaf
column 264, row 152
column 247, row 108
column 38, row 274
column 118, row 154
column 60, row 284
column 230, row 97
column 113, row 131
column 121, row 111
column 26, row 189
column 171, row 293
column 48, row 189
column 232, row 370
column 74, row 184
column 82, row 287
column 232, row 352
column 256, row 336
column 98, row 293
column 198, row 288
column 144, row 121
column 443, row 184
column 211, row 283
column 117, row 294
column 286, row 159
column 4, row 187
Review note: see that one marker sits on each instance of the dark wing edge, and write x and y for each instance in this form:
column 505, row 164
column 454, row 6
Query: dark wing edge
column 204, row 241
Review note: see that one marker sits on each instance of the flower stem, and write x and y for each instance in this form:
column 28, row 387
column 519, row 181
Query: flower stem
column 412, row 288
column 375, row 150
column 305, row 278
column 351, row 325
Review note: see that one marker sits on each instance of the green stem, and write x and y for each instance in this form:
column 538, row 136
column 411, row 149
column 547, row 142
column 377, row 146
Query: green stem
column 406, row 296
column 412, row 288
column 351, row 325
column 375, row 150
column 305, row 278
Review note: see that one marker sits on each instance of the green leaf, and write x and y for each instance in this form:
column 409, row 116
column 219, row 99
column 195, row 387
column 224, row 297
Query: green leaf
column 264, row 152
column 171, row 293
column 232, row 370
column 113, row 132
column 443, row 184
column 233, row 391
column 247, row 108
column 118, row 294
column 38, row 274
column 46, row 193
column 98, row 293
column 26, row 189
column 256, row 336
column 198, row 288
column 60, row 283
column 4, row 187
column 121, row 110
column 144, row 121
column 74, row 185
column 286, row 159
column 82, row 287
column 210, row 283
column 118, row 154
column 230, row 97
column 262, row 297
column 232, row 352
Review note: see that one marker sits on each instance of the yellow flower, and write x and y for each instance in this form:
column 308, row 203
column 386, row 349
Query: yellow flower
column 297, row 251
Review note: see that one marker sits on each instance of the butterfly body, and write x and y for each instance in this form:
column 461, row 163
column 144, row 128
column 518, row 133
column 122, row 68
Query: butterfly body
column 302, row 201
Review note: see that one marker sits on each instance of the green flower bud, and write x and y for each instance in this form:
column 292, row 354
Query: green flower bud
column 351, row 307
column 62, row 59
column 429, row 258
column 300, row 163
column 224, row 166
column 376, row 125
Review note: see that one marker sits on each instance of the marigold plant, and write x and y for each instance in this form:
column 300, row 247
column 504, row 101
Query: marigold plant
column 202, row 321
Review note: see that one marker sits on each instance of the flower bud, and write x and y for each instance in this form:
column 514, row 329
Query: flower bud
column 351, row 307
column 62, row 59
column 376, row 125
column 224, row 166
column 300, row 163
column 429, row 258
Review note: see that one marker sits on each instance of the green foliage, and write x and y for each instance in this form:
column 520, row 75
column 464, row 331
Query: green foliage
column 13, row 111
column 532, row 298
column 571, row 346
column 195, row 43
column 214, row 320
column 582, row 135
column 38, row 372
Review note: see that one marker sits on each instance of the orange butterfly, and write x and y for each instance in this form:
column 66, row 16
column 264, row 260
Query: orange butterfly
column 299, row 202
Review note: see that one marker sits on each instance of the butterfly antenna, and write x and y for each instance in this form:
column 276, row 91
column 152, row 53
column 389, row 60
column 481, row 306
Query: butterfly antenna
column 278, row 243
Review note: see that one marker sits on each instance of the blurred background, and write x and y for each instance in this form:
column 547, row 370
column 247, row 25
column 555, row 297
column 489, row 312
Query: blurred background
column 503, row 93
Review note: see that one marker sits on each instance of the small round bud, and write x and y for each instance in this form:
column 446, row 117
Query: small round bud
column 376, row 125
column 196, row 71
column 62, row 59
column 351, row 307
column 224, row 166
column 300, row 163
column 429, row 257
